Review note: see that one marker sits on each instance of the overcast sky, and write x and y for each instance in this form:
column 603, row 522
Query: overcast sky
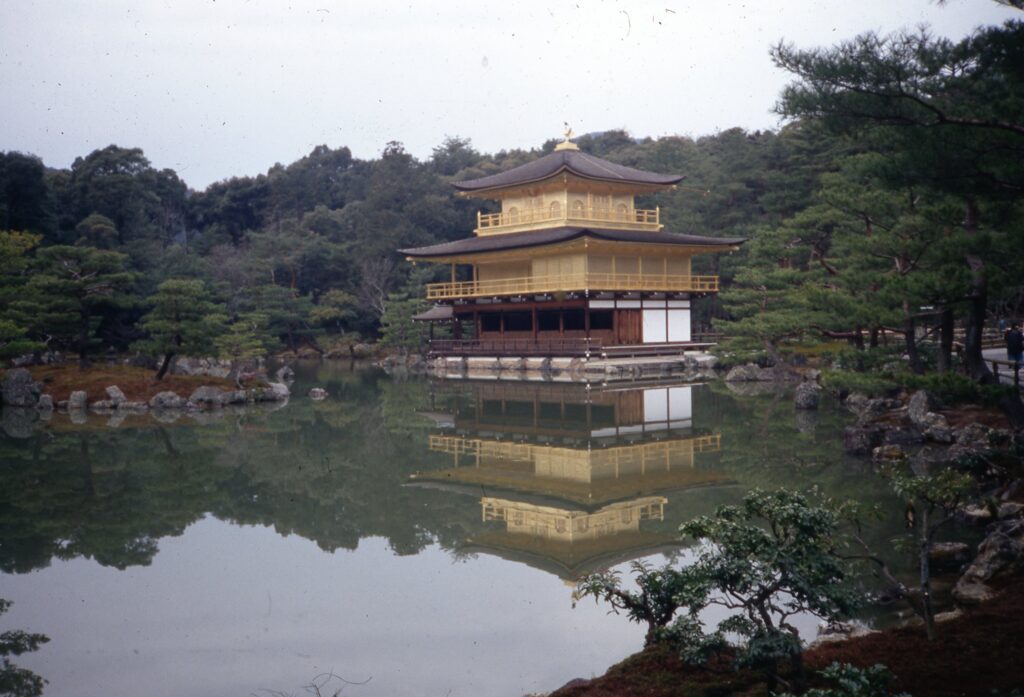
column 221, row 88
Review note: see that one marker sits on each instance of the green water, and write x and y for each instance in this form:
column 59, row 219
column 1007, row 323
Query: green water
column 416, row 537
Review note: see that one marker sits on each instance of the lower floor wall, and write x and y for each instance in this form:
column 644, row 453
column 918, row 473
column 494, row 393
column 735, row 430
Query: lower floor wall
column 620, row 322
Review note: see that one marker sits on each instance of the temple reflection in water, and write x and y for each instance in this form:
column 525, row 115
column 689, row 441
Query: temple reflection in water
column 571, row 478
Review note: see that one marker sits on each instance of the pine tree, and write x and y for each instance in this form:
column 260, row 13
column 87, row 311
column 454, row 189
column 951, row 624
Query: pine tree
column 14, row 262
column 67, row 291
column 246, row 337
column 948, row 114
column 183, row 321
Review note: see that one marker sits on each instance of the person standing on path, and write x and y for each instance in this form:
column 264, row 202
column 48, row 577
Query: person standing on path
column 1015, row 344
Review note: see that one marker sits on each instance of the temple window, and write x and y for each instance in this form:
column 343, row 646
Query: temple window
column 601, row 319
column 547, row 321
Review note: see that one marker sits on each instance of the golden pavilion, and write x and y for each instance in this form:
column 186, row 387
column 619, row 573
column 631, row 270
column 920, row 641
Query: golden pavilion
column 569, row 266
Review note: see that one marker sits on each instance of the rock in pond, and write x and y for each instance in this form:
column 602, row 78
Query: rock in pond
column 748, row 373
column 207, row 396
column 949, row 555
column 921, row 412
column 167, row 400
column 17, row 422
column 116, row 396
column 19, row 389
column 77, row 401
column 807, row 395
column 861, row 440
column 362, row 351
column 1001, row 552
column 974, row 434
column 318, row 394
column 274, row 392
column 888, row 453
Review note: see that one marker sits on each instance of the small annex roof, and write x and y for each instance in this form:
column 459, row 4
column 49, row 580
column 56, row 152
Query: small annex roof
column 574, row 161
column 539, row 238
column 438, row 313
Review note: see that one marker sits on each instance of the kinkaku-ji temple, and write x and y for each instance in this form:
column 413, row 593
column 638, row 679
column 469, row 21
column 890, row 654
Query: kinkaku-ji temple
column 569, row 266
column 571, row 479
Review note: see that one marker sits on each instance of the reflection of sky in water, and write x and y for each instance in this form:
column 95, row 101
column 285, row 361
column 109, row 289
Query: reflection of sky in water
column 227, row 610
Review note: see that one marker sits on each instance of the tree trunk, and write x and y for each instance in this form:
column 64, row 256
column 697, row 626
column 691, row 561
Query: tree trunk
column 913, row 357
column 926, row 577
column 164, row 366
column 946, row 340
column 977, row 298
column 798, row 681
column 83, row 341
column 873, row 338
column 773, row 354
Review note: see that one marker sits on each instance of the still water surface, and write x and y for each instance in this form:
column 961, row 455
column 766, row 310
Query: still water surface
column 416, row 537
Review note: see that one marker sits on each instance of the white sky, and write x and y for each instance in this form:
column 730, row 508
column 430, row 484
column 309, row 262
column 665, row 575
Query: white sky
column 221, row 88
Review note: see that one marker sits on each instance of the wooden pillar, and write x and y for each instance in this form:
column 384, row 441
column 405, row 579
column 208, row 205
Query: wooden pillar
column 453, row 273
column 586, row 319
column 533, row 312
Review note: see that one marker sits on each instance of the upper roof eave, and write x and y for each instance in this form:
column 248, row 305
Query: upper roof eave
column 573, row 161
column 540, row 238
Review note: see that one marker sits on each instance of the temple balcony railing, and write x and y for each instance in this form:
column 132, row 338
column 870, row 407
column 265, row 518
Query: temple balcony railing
column 525, row 452
column 538, row 219
column 568, row 283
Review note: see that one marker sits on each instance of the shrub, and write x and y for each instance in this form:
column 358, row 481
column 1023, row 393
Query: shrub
column 953, row 388
column 852, row 681
column 843, row 382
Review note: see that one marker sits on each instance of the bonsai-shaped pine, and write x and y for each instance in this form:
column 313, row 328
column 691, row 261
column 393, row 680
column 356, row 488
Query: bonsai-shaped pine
column 183, row 321
column 15, row 681
column 769, row 559
column 661, row 592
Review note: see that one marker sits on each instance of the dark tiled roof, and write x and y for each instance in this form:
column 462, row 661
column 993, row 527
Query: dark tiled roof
column 437, row 313
column 538, row 238
column 575, row 161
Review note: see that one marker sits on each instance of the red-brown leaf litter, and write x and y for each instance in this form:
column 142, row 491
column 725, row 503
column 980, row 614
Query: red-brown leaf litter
column 973, row 655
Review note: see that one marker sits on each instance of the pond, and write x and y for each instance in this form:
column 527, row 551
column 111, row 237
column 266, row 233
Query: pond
column 408, row 537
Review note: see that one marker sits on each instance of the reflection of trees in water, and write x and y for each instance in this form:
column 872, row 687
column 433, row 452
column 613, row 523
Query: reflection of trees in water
column 15, row 681
column 768, row 443
column 332, row 472
column 329, row 471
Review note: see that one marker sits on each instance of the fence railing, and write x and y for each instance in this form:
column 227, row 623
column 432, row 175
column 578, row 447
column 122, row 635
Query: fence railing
column 589, row 281
column 515, row 347
column 640, row 218
column 1012, row 370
